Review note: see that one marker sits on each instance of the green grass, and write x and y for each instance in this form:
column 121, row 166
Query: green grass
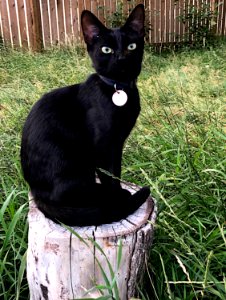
column 177, row 147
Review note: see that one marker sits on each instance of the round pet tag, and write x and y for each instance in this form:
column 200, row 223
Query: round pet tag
column 119, row 98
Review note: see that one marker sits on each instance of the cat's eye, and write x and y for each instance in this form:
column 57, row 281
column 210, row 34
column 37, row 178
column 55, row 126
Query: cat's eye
column 132, row 46
column 106, row 50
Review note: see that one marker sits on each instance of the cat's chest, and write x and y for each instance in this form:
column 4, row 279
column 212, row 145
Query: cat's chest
column 109, row 122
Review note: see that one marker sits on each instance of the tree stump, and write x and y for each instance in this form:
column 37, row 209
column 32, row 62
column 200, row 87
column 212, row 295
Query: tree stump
column 63, row 265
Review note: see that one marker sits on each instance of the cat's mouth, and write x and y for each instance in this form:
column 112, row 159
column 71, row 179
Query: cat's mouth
column 119, row 72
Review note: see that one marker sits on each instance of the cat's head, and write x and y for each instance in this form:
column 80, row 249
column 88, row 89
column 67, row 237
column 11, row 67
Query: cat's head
column 115, row 53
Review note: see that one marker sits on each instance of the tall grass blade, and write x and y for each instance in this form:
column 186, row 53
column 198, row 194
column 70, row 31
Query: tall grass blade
column 21, row 273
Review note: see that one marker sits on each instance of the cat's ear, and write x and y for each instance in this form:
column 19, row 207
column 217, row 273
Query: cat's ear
column 91, row 26
column 136, row 19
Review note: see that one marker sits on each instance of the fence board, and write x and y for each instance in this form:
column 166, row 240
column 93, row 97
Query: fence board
column 59, row 20
column 45, row 23
column 2, row 33
column 80, row 9
column 107, row 10
column 55, row 35
column 172, row 31
column 163, row 20
column 5, row 24
column 22, row 23
column 94, row 6
column 1, row 28
column 13, row 8
column 223, row 26
column 219, row 14
column 74, row 11
column 151, row 21
column 36, row 26
column 100, row 10
column 88, row 4
column 67, row 18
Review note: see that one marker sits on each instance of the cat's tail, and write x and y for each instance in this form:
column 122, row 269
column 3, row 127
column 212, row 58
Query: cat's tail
column 72, row 216
column 111, row 211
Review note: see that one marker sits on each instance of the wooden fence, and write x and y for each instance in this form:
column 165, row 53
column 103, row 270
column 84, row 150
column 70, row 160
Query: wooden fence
column 35, row 24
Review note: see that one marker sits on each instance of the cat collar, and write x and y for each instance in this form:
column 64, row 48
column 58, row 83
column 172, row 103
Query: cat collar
column 119, row 97
column 119, row 85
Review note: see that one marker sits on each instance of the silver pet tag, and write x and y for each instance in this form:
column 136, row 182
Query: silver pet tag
column 119, row 98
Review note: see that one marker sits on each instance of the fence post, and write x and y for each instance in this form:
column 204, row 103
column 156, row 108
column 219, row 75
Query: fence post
column 37, row 39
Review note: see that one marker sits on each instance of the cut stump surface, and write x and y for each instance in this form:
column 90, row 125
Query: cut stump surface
column 60, row 265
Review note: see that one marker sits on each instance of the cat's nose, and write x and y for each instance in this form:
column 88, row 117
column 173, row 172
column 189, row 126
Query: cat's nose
column 120, row 56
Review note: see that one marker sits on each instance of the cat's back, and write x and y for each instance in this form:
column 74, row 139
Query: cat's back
column 57, row 103
column 65, row 104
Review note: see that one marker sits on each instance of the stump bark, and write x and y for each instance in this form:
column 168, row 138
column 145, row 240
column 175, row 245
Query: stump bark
column 61, row 265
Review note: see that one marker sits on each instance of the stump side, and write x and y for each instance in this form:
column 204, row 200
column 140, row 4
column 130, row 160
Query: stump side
column 61, row 266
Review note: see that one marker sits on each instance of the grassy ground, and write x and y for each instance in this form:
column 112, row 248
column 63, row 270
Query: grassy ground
column 177, row 147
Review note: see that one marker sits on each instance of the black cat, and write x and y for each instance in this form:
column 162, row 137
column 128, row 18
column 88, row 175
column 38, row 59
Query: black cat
column 75, row 132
